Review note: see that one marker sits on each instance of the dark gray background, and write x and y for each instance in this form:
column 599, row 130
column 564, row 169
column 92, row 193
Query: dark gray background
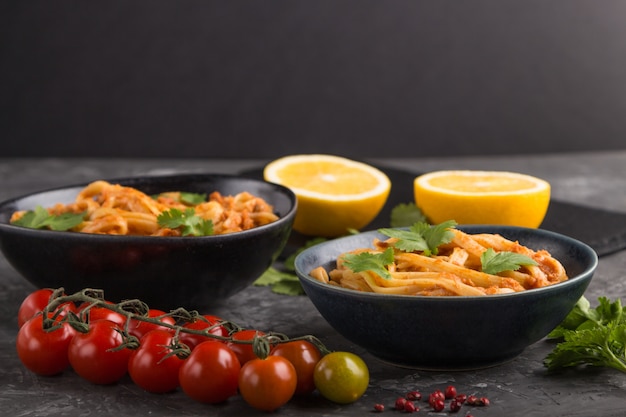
column 262, row 78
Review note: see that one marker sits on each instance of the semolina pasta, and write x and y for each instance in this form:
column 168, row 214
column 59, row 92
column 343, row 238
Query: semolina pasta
column 120, row 210
column 455, row 270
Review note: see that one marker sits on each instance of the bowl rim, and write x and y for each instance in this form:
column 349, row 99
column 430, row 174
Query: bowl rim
column 286, row 217
column 305, row 278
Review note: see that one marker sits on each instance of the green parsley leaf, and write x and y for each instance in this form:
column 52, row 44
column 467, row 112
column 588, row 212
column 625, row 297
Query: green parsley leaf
column 494, row 262
column 405, row 215
column 192, row 199
column 281, row 282
column 367, row 261
column 187, row 221
column 422, row 237
column 592, row 337
column 39, row 218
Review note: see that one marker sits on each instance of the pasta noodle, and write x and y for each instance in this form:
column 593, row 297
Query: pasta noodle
column 454, row 271
column 119, row 210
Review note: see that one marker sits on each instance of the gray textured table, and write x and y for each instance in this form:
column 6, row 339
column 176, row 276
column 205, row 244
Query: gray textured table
column 519, row 388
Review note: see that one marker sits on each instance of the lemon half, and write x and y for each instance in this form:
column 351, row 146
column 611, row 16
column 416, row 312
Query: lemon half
column 334, row 193
column 482, row 197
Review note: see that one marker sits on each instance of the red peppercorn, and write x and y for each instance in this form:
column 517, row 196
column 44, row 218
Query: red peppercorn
column 400, row 401
column 410, row 407
column 472, row 400
column 379, row 408
column 460, row 398
column 438, row 405
column 484, row 401
column 455, row 406
column 434, row 396
column 450, row 392
column 414, row 396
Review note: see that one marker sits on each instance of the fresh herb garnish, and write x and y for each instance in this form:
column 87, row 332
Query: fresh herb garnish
column 406, row 214
column 494, row 262
column 40, row 218
column 368, row 261
column 286, row 282
column 187, row 221
column 422, row 237
column 192, row 199
column 590, row 337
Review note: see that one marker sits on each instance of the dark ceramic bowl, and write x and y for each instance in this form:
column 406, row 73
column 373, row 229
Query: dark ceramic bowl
column 449, row 333
column 165, row 272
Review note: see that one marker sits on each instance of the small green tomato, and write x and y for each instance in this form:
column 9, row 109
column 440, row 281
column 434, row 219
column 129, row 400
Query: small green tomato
column 341, row 377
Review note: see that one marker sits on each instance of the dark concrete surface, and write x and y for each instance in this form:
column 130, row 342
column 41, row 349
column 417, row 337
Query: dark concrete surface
column 518, row 388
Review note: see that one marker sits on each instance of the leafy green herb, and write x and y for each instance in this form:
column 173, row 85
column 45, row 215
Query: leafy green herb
column 367, row 261
column 192, row 199
column 39, row 218
column 591, row 337
column 406, row 214
column 494, row 262
column 187, row 221
column 422, row 237
column 285, row 283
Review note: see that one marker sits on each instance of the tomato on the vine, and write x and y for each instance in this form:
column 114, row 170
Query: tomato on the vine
column 36, row 301
column 139, row 328
column 341, row 377
column 210, row 374
column 44, row 351
column 153, row 366
column 207, row 320
column 94, row 313
column 304, row 356
column 268, row 383
column 244, row 351
column 96, row 355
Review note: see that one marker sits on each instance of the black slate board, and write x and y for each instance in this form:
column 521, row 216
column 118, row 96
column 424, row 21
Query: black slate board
column 603, row 230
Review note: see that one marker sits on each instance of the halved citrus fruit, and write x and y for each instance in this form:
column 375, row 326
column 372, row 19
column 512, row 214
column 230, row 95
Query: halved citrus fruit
column 334, row 194
column 482, row 197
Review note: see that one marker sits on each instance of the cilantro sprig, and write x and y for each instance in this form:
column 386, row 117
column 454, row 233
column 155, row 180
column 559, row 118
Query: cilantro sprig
column 187, row 221
column 494, row 262
column 192, row 199
column 40, row 218
column 406, row 214
column 368, row 261
column 590, row 337
column 286, row 281
column 422, row 237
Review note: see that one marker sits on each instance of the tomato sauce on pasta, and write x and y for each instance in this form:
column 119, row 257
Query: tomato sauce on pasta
column 114, row 209
column 454, row 271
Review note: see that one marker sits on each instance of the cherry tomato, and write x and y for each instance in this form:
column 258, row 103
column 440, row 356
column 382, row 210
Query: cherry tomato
column 139, row 328
column 244, row 351
column 35, row 302
column 150, row 367
column 102, row 313
column 44, row 351
column 268, row 383
column 193, row 340
column 94, row 355
column 303, row 355
column 341, row 377
column 210, row 373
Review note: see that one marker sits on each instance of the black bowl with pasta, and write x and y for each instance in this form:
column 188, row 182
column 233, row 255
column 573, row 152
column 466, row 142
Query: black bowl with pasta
column 448, row 332
column 168, row 271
